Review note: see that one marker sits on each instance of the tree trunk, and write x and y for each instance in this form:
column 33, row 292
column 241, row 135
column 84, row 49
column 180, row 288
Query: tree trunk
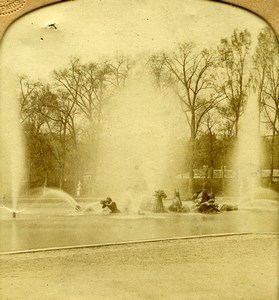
column 77, row 175
column 211, row 165
column 61, row 178
column 45, row 185
column 236, row 125
column 211, row 170
column 63, row 159
column 29, row 177
column 93, row 158
column 223, row 178
column 191, row 166
column 272, row 159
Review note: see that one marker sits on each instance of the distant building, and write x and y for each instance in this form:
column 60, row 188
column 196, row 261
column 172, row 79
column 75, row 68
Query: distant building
column 225, row 173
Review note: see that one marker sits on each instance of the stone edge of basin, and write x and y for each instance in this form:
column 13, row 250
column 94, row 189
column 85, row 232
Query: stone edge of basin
column 135, row 242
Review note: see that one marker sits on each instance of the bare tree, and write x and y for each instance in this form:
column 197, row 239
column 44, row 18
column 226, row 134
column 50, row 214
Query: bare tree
column 190, row 74
column 234, row 75
column 35, row 117
column 89, row 87
column 120, row 67
column 210, row 124
column 29, row 93
column 266, row 79
column 60, row 114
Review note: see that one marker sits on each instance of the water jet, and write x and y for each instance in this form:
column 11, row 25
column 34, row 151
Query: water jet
column 247, row 162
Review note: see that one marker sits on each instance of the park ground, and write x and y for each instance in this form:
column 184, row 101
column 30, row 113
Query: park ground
column 223, row 267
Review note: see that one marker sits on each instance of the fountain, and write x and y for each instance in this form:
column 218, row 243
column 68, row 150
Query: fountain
column 135, row 142
column 248, row 170
column 50, row 192
column 12, row 148
column 248, row 165
column 133, row 160
column 46, row 195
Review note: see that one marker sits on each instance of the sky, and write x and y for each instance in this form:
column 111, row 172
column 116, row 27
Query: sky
column 96, row 29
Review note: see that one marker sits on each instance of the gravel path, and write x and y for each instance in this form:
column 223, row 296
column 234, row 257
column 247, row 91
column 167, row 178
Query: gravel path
column 232, row 267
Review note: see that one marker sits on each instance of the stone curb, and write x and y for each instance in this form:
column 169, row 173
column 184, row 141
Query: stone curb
column 134, row 242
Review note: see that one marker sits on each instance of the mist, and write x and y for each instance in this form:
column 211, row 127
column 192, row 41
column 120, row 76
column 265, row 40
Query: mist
column 12, row 146
column 139, row 136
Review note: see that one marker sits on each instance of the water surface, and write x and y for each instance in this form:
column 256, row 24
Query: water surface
column 57, row 224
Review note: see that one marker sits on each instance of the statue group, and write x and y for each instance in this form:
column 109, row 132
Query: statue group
column 201, row 201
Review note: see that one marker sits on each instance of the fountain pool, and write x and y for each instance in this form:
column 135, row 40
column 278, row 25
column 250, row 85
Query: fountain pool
column 52, row 223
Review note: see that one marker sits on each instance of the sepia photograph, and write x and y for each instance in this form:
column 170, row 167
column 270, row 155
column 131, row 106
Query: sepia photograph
column 139, row 151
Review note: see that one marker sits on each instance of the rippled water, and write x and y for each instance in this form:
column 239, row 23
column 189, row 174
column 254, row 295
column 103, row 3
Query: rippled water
column 54, row 224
